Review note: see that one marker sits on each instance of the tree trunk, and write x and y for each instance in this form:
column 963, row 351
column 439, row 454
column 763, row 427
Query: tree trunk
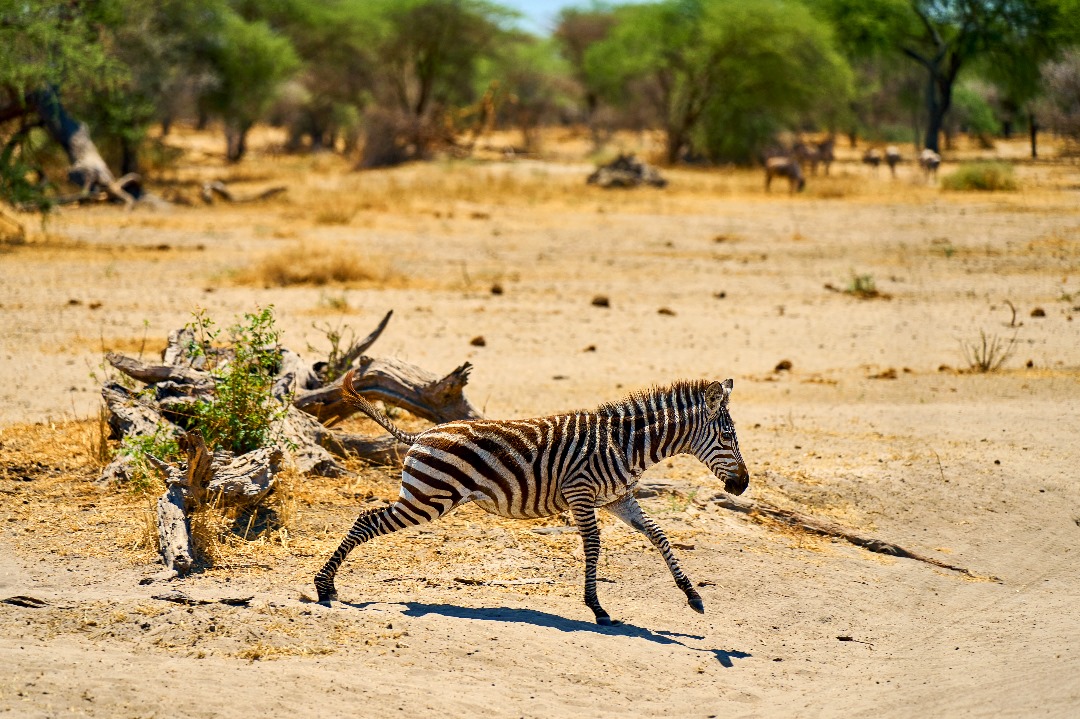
column 236, row 140
column 88, row 170
column 1033, row 128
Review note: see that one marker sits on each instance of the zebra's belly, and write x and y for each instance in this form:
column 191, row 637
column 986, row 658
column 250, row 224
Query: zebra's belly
column 521, row 509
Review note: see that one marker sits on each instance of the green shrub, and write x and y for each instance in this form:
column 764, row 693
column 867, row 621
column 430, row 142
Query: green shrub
column 984, row 176
column 242, row 414
column 162, row 445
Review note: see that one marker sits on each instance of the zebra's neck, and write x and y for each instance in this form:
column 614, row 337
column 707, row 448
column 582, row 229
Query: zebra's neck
column 656, row 424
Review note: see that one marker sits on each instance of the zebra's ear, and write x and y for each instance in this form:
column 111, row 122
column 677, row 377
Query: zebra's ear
column 716, row 395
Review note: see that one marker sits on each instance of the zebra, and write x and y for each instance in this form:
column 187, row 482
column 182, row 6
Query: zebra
column 532, row 468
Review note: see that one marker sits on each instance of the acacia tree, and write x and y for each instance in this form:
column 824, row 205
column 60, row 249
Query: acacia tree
column 721, row 75
column 946, row 36
column 251, row 63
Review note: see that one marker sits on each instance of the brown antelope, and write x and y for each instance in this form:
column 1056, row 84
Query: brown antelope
column 784, row 167
column 929, row 161
column 892, row 158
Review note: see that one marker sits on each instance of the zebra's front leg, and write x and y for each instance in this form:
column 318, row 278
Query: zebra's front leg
column 585, row 519
column 628, row 510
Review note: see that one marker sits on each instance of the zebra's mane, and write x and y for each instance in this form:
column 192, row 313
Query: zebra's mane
column 694, row 386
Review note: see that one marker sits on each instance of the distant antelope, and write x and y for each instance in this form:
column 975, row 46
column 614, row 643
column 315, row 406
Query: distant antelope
column 892, row 158
column 872, row 157
column 818, row 153
column 784, row 167
column 929, row 161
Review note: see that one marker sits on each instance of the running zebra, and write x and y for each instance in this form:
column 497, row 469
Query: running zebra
column 539, row 467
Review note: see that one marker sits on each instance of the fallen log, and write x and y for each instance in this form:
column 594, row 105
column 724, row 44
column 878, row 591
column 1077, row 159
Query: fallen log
column 216, row 190
column 436, row 399
column 829, row 529
column 174, row 531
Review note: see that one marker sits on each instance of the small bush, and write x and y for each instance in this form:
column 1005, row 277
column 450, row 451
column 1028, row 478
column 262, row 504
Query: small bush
column 161, row 445
column 242, row 414
column 981, row 176
column 988, row 353
column 863, row 287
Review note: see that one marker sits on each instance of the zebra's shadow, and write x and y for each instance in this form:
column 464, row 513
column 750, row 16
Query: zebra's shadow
column 553, row 621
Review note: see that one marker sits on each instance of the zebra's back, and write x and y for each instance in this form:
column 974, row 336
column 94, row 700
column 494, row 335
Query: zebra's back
column 515, row 468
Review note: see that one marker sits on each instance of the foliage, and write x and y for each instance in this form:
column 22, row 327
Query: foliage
column 162, row 445
column 1061, row 104
column 971, row 110
column 776, row 68
column 243, row 412
column 984, row 176
column 721, row 76
column 943, row 38
column 863, row 287
column 251, row 63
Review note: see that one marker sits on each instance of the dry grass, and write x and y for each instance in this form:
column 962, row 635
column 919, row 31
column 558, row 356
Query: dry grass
column 320, row 264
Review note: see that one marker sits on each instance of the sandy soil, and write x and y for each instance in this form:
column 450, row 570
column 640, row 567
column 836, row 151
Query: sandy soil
column 874, row 427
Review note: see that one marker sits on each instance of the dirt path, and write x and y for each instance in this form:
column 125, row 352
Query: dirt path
column 866, row 429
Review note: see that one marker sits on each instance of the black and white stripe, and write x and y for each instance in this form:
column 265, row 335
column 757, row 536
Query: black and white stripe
column 539, row 467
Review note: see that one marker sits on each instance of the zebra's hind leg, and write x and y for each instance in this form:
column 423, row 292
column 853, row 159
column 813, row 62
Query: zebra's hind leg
column 585, row 519
column 370, row 524
column 628, row 510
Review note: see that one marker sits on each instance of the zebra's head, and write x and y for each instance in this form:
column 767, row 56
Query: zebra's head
column 717, row 446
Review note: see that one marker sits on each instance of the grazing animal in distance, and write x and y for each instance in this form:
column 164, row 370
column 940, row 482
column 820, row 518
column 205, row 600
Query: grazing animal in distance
column 815, row 154
column 784, row 167
column 578, row 461
column 929, row 161
column 872, row 157
column 892, row 158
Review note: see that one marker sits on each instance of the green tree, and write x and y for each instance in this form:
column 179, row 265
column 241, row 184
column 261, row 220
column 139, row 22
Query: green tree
column 721, row 75
column 250, row 61
column 945, row 37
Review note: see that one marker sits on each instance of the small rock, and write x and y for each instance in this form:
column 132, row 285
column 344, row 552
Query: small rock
column 601, row 301
column 667, row 312
column 496, row 289
column 478, row 341
column 1038, row 312
column 720, row 295
column 590, row 348
column 783, row 366
column 74, row 303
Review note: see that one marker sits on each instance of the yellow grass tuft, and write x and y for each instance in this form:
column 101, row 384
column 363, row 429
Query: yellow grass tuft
column 318, row 264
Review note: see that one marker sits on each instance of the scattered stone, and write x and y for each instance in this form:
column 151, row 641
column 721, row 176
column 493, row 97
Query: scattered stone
column 783, row 366
column 496, row 289
column 1038, row 312
column 590, row 348
column 601, row 301
column 74, row 302
column 667, row 312
column 478, row 341
column 720, row 295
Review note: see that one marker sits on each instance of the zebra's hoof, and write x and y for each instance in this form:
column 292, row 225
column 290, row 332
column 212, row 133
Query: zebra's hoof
column 326, row 595
column 696, row 604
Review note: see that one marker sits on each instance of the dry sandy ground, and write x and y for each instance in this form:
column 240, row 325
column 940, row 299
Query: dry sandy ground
column 870, row 428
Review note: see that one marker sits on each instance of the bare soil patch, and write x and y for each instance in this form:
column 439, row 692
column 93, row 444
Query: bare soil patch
column 875, row 422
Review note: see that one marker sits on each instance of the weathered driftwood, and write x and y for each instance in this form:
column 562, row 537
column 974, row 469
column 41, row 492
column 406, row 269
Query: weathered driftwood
column 217, row 190
column 130, row 415
column 174, row 531
column 182, row 379
column 152, row 374
column 398, row 383
column 828, row 529
column 626, row 171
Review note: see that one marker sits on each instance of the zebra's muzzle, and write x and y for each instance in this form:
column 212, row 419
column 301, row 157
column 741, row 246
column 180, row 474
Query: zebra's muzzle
column 737, row 483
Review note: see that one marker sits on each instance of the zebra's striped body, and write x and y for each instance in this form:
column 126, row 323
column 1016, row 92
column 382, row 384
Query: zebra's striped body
column 540, row 467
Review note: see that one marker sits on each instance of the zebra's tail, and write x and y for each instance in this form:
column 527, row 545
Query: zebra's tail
column 350, row 395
